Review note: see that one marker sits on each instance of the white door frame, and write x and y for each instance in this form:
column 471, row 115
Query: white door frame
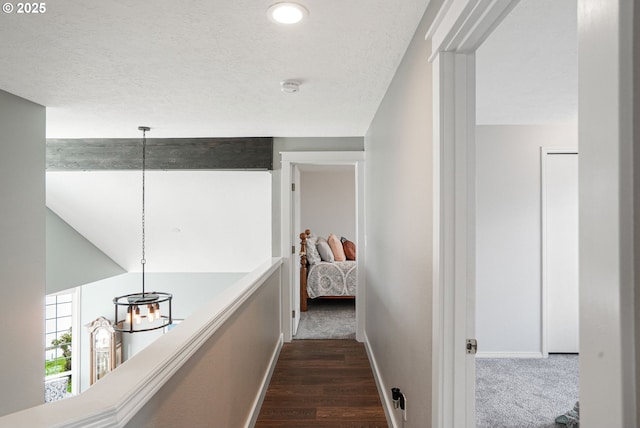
column 544, row 151
column 457, row 31
column 296, row 226
column 606, row 134
column 608, row 278
column 288, row 160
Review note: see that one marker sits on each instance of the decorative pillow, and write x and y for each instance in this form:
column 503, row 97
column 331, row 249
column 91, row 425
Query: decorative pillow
column 336, row 248
column 349, row 248
column 313, row 256
column 325, row 251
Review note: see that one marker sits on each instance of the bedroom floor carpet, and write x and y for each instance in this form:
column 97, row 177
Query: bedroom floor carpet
column 328, row 319
column 525, row 393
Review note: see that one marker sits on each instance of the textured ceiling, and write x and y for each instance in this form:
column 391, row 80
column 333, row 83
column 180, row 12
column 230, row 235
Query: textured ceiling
column 213, row 69
column 205, row 68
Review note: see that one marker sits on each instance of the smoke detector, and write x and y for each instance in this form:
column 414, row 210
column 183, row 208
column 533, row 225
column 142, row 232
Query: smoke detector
column 290, row 86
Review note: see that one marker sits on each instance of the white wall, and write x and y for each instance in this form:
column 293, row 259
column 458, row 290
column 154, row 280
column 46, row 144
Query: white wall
column 71, row 259
column 328, row 202
column 190, row 291
column 399, row 222
column 22, row 252
column 302, row 144
column 508, row 221
column 526, row 69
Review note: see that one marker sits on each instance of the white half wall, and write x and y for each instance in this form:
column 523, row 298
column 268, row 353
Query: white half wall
column 508, row 221
column 71, row 259
column 22, row 252
column 328, row 202
column 222, row 383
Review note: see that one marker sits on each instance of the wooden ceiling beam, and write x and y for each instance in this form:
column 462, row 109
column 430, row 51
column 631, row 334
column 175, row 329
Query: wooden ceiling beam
column 162, row 154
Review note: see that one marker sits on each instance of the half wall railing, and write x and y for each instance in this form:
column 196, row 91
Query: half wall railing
column 211, row 371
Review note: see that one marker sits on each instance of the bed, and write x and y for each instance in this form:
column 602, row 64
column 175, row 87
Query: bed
column 325, row 280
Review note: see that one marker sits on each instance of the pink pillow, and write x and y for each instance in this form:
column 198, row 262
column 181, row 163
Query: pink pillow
column 336, row 248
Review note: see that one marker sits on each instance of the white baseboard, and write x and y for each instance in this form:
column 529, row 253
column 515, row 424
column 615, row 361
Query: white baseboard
column 509, row 355
column 385, row 394
column 257, row 404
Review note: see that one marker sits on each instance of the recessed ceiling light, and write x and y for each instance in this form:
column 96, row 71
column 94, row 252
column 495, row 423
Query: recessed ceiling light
column 287, row 13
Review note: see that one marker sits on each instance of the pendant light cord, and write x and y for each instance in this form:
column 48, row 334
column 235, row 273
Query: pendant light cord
column 143, row 261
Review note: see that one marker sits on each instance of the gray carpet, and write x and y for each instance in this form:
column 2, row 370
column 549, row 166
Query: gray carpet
column 328, row 319
column 525, row 393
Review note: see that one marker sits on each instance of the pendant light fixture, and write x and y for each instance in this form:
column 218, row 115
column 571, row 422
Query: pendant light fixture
column 143, row 311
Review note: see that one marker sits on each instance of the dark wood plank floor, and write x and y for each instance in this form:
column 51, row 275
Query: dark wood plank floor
column 322, row 384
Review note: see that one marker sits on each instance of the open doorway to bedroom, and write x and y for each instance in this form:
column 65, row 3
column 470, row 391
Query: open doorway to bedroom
column 325, row 209
column 526, row 218
column 330, row 173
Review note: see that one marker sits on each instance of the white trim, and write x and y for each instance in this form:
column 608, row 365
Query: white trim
column 257, row 404
column 544, row 151
column 607, row 41
column 286, row 292
column 117, row 398
column 458, row 31
column 437, row 21
column 296, row 225
column 462, row 25
column 482, row 355
column 454, row 252
column 384, row 392
column 288, row 160
column 322, row 158
column 77, row 338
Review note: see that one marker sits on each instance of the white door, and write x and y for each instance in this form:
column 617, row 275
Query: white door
column 560, row 247
column 295, row 257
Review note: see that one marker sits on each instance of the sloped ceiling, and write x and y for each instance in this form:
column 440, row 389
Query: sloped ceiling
column 196, row 221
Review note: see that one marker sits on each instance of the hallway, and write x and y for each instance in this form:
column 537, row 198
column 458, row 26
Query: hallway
column 322, row 383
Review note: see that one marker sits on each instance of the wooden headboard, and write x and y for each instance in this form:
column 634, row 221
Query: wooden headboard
column 303, row 270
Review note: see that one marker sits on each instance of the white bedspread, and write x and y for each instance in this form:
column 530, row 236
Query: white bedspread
column 332, row 279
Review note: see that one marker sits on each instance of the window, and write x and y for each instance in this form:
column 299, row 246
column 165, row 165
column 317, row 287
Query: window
column 59, row 310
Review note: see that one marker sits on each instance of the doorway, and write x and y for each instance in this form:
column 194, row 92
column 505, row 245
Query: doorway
column 607, row 359
column 458, row 31
column 292, row 164
column 527, row 215
column 325, row 200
